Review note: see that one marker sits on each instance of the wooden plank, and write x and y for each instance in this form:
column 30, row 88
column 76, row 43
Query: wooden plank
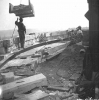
column 25, row 84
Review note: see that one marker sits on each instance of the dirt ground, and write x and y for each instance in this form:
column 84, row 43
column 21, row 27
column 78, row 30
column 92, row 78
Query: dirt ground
column 65, row 66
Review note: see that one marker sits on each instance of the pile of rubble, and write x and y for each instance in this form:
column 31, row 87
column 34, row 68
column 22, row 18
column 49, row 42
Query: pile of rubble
column 50, row 80
column 37, row 88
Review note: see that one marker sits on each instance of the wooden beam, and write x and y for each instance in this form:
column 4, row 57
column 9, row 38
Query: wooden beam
column 94, row 32
column 25, row 84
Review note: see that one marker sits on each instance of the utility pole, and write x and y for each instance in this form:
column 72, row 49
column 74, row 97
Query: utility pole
column 94, row 32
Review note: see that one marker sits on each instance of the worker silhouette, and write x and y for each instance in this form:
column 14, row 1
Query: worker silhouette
column 21, row 31
column 79, row 33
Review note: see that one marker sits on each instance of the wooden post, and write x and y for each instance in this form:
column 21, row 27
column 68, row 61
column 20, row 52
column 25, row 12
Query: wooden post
column 94, row 32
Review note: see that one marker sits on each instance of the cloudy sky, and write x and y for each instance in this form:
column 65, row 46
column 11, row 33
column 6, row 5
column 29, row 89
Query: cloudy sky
column 49, row 14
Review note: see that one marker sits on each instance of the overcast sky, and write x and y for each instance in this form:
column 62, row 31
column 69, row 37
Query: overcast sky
column 49, row 14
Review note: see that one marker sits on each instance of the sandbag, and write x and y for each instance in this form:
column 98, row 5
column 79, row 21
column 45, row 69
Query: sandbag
column 22, row 10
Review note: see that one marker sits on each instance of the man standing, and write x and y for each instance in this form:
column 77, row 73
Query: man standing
column 79, row 33
column 21, row 31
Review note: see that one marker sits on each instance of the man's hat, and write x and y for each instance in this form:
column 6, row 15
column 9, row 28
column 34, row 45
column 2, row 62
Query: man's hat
column 79, row 27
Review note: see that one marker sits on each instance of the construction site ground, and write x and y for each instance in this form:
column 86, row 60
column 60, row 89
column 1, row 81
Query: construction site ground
column 63, row 69
column 65, row 66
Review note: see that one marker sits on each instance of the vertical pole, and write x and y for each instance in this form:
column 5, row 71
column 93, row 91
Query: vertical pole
column 94, row 32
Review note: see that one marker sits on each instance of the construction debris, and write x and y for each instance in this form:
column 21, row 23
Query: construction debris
column 25, row 84
column 52, row 87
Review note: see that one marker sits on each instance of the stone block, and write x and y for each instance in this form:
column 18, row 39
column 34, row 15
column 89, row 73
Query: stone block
column 24, row 85
column 9, row 77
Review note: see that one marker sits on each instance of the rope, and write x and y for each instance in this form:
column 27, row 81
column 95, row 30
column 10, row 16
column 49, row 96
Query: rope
column 15, row 27
column 12, row 37
column 13, row 31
